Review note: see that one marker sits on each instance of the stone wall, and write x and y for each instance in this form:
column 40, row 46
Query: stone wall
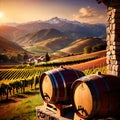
column 113, row 38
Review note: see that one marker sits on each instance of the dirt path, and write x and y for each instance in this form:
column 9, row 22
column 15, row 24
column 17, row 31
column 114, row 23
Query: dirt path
column 6, row 105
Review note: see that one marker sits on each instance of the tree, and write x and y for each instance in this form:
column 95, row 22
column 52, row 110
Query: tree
column 13, row 59
column 99, row 47
column 20, row 57
column 4, row 58
column 87, row 49
column 25, row 56
column 47, row 57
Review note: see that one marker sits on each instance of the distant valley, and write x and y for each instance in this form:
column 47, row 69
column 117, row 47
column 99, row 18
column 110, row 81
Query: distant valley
column 56, row 36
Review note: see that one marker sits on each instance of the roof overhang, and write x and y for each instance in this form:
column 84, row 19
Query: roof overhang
column 106, row 2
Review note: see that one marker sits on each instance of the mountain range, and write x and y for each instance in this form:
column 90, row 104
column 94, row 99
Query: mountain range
column 73, row 29
column 50, row 35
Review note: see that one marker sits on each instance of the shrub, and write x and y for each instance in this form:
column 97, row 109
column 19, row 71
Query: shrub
column 99, row 47
column 87, row 49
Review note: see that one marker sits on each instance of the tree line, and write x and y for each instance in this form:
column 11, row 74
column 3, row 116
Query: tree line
column 4, row 58
column 95, row 48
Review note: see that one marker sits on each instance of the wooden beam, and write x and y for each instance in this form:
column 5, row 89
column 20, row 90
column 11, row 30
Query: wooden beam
column 106, row 2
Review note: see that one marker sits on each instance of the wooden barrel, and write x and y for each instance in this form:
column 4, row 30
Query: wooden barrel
column 96, row 96
column 55, row 84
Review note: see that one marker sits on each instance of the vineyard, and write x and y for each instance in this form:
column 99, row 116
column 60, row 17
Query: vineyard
column 13, row 81
column 102, row 69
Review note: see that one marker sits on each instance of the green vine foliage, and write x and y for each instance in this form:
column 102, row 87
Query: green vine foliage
column 103, row 70
column 16, row 80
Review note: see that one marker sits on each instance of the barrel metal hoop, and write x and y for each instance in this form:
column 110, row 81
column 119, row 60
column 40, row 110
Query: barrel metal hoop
column 90, row 85
column 106, row 83
column 96, row 97
column 40, row 84
column 63, row 80
column 77, row 82
column 55, row 83
column 95, row 92
column 81, row 80
column 76, row 72
column 109, row 93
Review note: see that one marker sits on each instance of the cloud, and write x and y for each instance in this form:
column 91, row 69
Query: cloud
column 86, row 12
column 89, row 15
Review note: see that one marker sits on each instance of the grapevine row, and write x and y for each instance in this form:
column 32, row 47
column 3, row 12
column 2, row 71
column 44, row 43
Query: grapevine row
column 14, row 80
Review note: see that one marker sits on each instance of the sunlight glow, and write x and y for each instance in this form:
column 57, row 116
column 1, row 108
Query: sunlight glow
column 1, row 14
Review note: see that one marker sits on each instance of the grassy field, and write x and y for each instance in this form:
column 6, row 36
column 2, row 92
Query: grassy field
column 21, row 107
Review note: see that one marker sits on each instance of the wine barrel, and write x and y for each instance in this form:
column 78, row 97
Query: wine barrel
column 55, row 84
column 96, row 96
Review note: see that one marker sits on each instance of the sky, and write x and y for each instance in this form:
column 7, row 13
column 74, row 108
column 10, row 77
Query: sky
column 21, row 11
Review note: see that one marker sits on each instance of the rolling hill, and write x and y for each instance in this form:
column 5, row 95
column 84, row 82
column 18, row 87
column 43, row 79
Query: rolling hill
column 9, row 47
column 78, row 46
column 50, row 45
column 11, row 33
column 63, row 46
column 7, row 31
column 42, row 35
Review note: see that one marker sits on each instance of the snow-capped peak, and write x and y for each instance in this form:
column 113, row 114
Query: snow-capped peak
column 57, row 20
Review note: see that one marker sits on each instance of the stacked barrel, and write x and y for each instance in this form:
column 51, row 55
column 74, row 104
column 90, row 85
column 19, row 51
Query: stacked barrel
column 92, row 96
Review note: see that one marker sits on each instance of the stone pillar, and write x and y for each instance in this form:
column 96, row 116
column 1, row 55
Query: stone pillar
column 113, row 38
